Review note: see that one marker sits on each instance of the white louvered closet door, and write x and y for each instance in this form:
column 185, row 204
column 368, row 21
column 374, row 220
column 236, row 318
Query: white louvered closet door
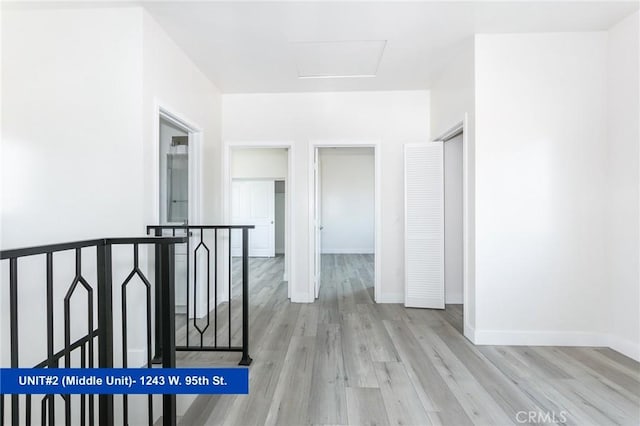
column 424, row 225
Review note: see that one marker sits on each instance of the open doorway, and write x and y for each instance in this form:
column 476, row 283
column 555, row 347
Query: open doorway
column 436, row 217
column 177, row 169
column 174, row 174
column 177, row 197
column 174, row 195
column 345, row 219
column 258, row 194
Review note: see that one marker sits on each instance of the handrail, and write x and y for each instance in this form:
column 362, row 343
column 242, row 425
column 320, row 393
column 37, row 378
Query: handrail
column 51, row 248
column 192, row 281
column 150, row 227
column 101, row 290
column 103, row 334
column 146, row 240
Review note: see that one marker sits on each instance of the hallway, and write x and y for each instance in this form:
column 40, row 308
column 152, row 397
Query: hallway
column 345, row 360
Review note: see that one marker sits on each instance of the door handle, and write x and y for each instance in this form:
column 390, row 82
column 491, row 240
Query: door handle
column 272, row 222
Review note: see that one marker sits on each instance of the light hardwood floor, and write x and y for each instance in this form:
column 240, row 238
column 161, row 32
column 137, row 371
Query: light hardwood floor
column 345, row 360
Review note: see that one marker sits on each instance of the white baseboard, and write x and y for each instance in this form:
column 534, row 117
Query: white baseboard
column 381, row 298
column 536, row 338
column 625, row 347
column 469, row 333
column 390, row 298
column 136, row 358
column 297, row 297
column 555, row 338
column 348, row 251
column 212, row 301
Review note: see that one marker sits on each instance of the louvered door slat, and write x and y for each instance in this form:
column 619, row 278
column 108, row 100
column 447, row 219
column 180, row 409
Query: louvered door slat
column 424, row 225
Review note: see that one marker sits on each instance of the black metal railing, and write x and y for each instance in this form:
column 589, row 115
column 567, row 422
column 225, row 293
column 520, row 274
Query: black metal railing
column 95, row 347
column 208, row 325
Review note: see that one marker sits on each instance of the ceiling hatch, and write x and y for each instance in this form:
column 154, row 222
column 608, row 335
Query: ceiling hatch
column 338, row 59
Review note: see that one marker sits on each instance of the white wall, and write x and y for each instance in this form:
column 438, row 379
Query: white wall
column 623, row 214
column 71, row 154
column 71, row 99
column 259, row 163
column 453, row 220
column 172, row 81
column 78, row 137
column 348, row 193
column 453, row 99
column 453, row 88
column 392, row 118
column 541, row 261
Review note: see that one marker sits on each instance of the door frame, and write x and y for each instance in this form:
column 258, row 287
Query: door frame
column 161, row 111
column 194, row 132
column 289, row 227
column 377, row 248
column 463, row 127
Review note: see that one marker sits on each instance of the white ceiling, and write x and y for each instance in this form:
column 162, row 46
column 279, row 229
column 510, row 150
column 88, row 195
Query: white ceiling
column 254, row 47
column 331, row 59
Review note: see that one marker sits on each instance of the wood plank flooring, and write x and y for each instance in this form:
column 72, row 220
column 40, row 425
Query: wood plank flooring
column 345, row 360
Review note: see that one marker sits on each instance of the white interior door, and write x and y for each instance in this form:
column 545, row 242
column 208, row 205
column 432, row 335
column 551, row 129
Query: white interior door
column 317, row 220
column 253, row 203
column 424, row 225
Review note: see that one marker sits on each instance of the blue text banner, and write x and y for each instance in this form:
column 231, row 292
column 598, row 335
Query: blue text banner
column 124, row 380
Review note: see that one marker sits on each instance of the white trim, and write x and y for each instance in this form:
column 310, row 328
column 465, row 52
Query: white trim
column 161, row 110
column 468, row 330
column 377, row 265
column 556, row 338
column 466, row 246
column 313, row 168
column 361, row 250
column 625, row 347
column 537, row 338
column 306, row 77
column 195, row 177
column 346, row 143
column 290, row 253
column 452, row 132
column 137, row 358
